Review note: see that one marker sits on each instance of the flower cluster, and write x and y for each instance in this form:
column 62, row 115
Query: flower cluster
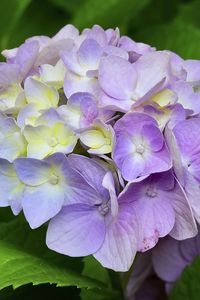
column 100, row 136
column 155, row 272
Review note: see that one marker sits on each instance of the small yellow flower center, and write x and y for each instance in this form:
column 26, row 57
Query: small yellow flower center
column 53, row 142
column 54, row 179
column 140, row 149
column 151, row 192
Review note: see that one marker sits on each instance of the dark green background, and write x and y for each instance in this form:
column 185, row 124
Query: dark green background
column 166, row 24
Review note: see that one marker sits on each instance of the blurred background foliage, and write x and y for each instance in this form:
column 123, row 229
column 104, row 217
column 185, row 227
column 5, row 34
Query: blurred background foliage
column 165, row 24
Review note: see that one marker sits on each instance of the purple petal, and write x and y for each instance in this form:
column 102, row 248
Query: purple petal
column 32, row 171
column 41, row 203
column 90, row 170
column 158, row 161
column 192, row 189
column 67, row 32
column 152, row 68
column 175, row 154
column 186, row 91
column 117, row 77
column 187, row 134
column 26, row 56
column 119, row 246
column 98, row 34
column 89, row 54
column 78, row 230
column 133, row 166
column 50, row 54
column 9, row 74
column 192, row 67
column 154, row 137
column 151, row 210
column 167, row 260
column 185, row 225
column 70, row 60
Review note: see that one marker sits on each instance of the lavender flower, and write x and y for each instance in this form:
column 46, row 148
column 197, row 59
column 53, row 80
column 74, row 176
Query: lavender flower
column 130, row 116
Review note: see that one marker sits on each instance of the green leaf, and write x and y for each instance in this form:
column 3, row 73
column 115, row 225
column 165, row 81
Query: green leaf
column 24, row 258
column 40, row 292
column 109, row 13
column 94, row 269
column 11, row 12
column 104, row 294
column 176, row 36
column 188, row 286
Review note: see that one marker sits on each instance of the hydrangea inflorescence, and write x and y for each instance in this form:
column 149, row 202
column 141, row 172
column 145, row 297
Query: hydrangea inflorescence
column 100, row 136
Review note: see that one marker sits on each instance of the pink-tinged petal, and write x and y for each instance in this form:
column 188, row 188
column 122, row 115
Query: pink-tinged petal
column 167, row 259
column 185, row 225
column 31, row 171
column 67, row 32
column 78, row 230
column 89, row 54
column 41, row 203
column 151, row 210
column 152, row 68
column 155, row 219
column 26, row 57
column 120, row 243
column 117, row 77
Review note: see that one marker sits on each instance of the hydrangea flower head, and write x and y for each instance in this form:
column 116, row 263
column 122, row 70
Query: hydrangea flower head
column 100, row 137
